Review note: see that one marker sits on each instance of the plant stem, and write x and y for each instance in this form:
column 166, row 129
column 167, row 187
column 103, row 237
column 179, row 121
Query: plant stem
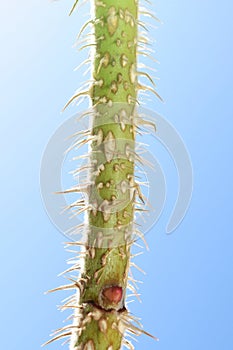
column 102, row 317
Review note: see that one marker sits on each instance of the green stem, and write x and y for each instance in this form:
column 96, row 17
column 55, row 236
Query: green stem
column 102, row 317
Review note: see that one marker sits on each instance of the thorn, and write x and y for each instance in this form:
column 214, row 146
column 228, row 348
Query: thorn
column 84, row 27
column 87, row 45
column 147, row 55
column 57, row 338
column 150, row 14
column 141, row 331
column 74, row 268
column 74, row 7
column 141, row 24
column 88, row 60
column 76, row 96
column 76, row 189
column 137, row 267
column 147, row 76
column 64, row 287
column 133, row 289
column 148, row 88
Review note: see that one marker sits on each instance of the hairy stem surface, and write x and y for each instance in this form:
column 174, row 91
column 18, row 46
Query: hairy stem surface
column 102, row 317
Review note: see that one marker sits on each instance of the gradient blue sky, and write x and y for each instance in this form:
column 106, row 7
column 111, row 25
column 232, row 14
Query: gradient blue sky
column 187, row 292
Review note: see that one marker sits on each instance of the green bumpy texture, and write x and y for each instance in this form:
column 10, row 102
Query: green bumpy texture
column 112, row 186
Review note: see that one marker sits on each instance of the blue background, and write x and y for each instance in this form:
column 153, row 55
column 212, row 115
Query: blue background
column 187, row 292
